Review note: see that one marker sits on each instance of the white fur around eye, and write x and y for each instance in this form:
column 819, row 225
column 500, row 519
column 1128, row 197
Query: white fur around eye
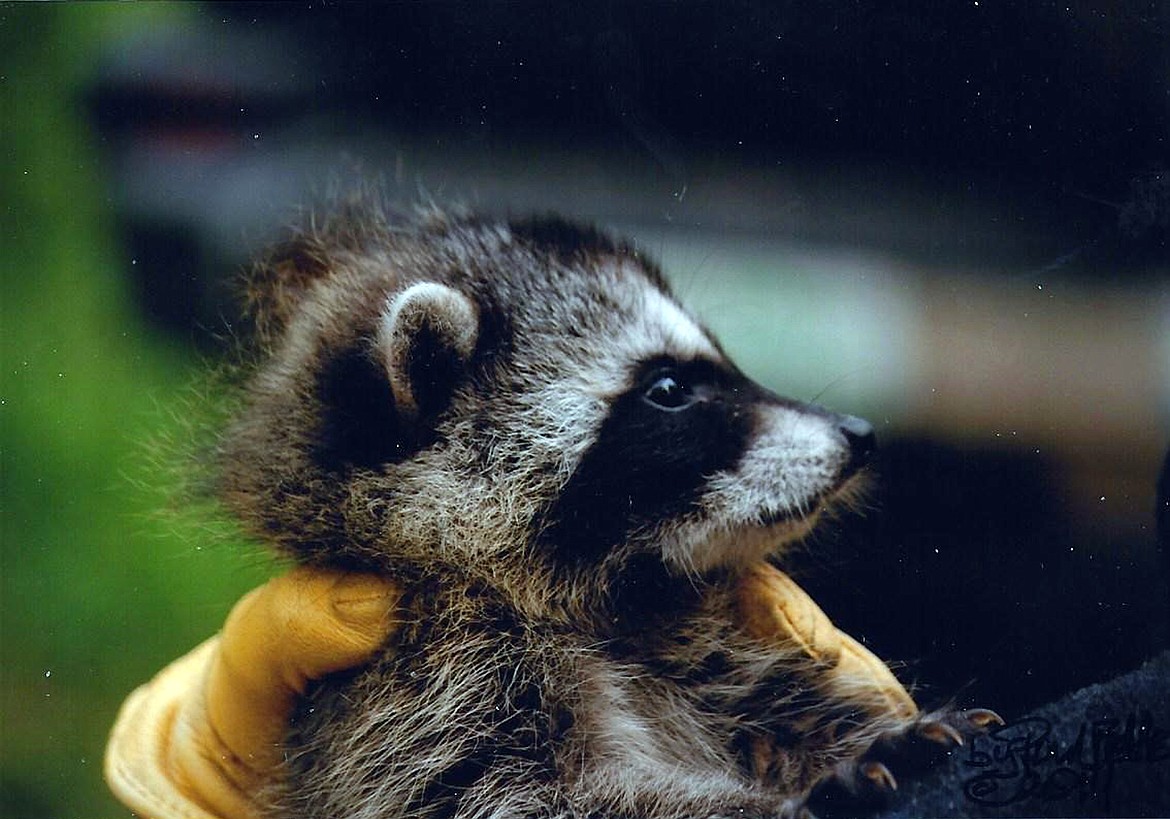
column 676, row 332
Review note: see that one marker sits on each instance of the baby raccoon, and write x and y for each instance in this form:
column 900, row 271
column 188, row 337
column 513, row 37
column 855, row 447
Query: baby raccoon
column 520, row 422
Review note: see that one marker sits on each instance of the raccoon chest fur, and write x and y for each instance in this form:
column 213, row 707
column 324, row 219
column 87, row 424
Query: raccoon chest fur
column 472, row 704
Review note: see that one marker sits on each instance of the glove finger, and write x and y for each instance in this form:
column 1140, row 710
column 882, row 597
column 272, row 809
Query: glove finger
column 297, row 627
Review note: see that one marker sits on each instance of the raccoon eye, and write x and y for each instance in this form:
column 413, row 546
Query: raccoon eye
column 667, row 392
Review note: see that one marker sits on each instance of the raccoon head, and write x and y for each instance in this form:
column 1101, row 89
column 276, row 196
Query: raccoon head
column 698, row 463
column 522, row 398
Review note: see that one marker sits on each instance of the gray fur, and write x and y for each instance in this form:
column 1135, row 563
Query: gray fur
column 515, row 686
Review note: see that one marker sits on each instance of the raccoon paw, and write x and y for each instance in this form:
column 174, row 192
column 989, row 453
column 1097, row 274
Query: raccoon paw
column 927, row 740
column 855, row 787
column 866, row 783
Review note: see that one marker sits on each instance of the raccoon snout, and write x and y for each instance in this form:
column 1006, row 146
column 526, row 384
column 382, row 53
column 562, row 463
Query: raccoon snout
column 859, row 434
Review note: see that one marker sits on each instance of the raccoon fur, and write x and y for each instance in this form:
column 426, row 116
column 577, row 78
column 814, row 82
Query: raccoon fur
column 520, row 422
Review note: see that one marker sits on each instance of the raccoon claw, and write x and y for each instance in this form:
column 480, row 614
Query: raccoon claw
column 940, row 733
column 982, row 719
column 879, row 775
column 851, row 789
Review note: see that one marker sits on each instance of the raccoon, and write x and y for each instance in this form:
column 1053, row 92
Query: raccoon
column 520, row 422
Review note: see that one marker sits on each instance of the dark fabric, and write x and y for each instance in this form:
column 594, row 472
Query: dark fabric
column 1102, row 751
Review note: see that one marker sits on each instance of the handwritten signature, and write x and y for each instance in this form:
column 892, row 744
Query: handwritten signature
column 1023, row 760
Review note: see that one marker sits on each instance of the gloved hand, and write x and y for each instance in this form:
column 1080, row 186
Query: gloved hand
column 774, row 609
column 198, row 740
column 201, row 737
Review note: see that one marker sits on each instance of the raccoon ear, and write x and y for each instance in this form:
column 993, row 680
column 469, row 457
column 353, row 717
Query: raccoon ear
column 427, row 334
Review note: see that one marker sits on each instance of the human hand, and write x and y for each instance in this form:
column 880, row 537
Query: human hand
column 204, row 736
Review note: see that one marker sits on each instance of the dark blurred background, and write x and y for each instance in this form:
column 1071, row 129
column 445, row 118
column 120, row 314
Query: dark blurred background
column 949, row 217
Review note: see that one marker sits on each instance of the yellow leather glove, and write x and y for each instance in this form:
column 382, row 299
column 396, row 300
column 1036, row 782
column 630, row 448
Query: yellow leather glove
column 201, row 737
column 774, row 609
column 198, row 740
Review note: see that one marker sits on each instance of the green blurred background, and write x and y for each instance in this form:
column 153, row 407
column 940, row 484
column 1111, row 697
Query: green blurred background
column 97, row 589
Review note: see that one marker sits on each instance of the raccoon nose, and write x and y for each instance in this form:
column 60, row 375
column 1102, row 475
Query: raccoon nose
column 861, row 439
